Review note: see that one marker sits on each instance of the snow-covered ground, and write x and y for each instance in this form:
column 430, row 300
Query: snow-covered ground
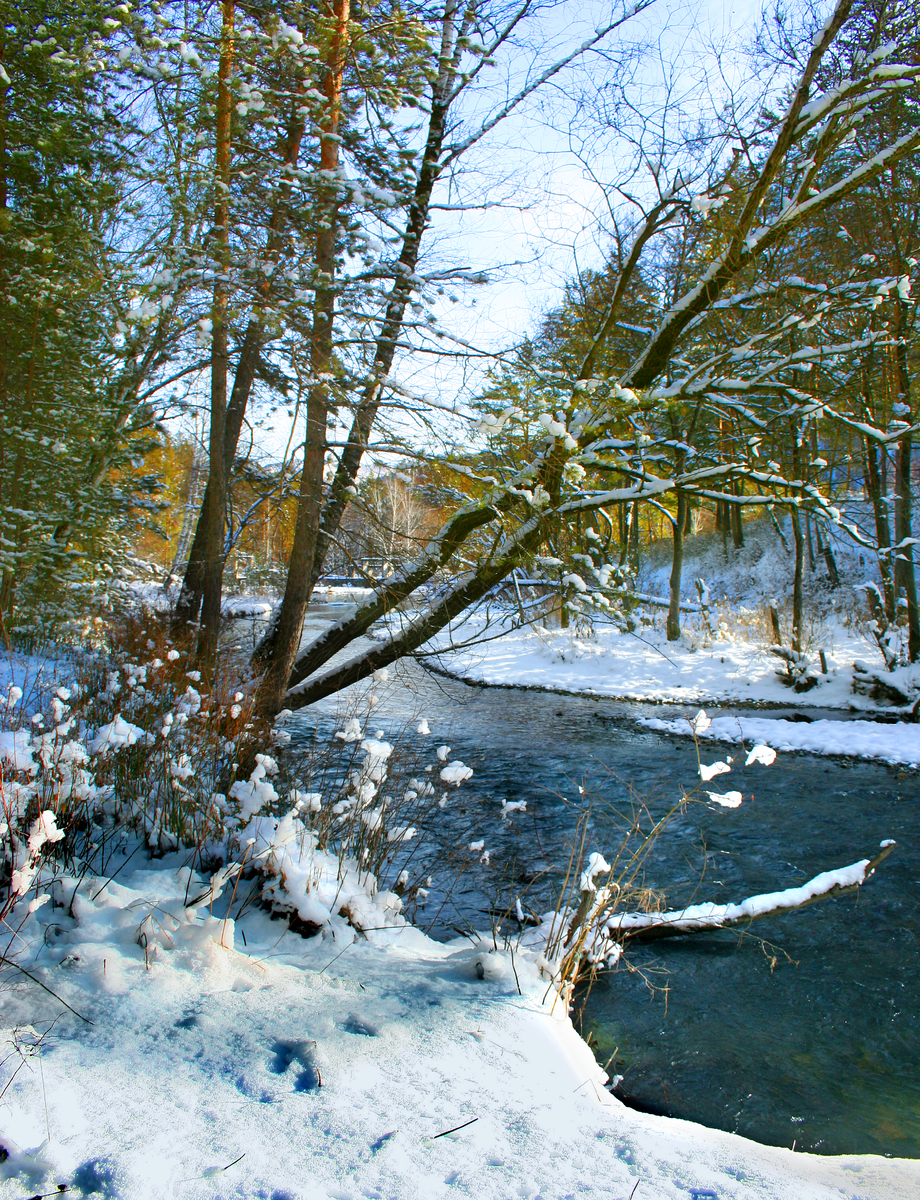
column 723, row 657
column 153, row 1048
column 643, row 665
column 231, row 1059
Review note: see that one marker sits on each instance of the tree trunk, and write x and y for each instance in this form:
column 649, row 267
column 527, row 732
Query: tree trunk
column 391, row 594
column 798, row 587
column 466, row 591
column 366, row 412
column 213, row 565
column 878, row 498
column 280, row 652
column 190, row 508
column 904, row 577
column 677, row 565
column 735, row 520
column 634, row 537
column 688, row 522
column 189, row 602
column 827, row 552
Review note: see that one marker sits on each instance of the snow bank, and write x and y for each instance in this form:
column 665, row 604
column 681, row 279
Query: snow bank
column 234, row 1058
column 642, row 665
column 898, row 744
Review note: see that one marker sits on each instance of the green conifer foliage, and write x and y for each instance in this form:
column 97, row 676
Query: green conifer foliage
column 68, row 423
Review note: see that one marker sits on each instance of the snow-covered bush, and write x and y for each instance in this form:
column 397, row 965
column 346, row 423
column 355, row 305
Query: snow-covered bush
column 133, row 744
column 371, row 806
column 138, row 752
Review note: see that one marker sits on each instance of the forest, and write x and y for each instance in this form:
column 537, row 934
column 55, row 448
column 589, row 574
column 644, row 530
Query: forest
column 230, row 216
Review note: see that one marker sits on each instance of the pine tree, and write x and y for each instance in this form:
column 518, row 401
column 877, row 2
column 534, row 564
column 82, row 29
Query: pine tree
column 70, row 423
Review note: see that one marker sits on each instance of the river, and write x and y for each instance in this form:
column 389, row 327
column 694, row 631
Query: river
column 803, row 1031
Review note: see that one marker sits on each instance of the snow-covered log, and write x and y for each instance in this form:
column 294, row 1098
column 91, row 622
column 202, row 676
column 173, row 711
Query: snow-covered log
column 893, row 686
column 699, row 918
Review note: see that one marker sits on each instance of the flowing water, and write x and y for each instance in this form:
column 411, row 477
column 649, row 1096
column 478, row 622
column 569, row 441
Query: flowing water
column 803, row 1030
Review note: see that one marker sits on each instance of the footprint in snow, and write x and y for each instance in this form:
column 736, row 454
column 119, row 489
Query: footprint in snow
column 303, row 1054
column 354, row 1024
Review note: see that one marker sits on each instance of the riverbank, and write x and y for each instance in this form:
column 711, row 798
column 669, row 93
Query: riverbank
column 733, row 666
column 158, row 1048
column 225, row 1058
column 728, row 669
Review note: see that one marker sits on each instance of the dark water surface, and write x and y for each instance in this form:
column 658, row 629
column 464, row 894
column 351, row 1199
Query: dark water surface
column 805, row 1029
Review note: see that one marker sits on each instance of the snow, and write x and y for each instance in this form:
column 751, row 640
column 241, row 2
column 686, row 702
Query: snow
column 221, row 1058
column 643, row 665
column 117, row 734
column 707, row 915
column 726, row 799
column 709, row 771
column 723, row 657
column 898, row 744
column 181, row 1052
column 16, row 750
column 456, row 772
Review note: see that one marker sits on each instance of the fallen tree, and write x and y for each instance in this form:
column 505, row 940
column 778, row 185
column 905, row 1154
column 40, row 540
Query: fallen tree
column 702, row 918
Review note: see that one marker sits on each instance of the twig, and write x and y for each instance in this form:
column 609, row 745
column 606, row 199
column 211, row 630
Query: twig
column 9, row 962
column 111, row 877
column 652, row 646
column 455, row 1128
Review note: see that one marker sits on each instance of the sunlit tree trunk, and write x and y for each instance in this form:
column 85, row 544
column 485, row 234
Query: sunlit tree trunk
column 188, row 605
column 677, row 566
column 904, row 576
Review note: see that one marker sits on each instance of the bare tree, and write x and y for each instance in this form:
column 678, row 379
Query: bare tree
column 456, row 71
column 798, row 175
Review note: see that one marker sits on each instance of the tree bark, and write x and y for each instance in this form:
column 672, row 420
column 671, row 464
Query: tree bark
column 213, row 565
column 882, row 524
column 352, row 454
column 677, row 566
column 471, row 588
column 904, row 576
column 798, row 586
column 735, row 521
column 280, row 651
column 827, row 552
column 189, row 602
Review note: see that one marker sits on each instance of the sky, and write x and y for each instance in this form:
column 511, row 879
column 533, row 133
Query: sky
column 545, row 176
column 541, row 184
